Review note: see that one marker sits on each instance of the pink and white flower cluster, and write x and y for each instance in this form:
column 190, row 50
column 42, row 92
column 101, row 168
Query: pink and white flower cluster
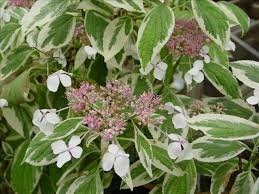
column 106, row 110
column 21, row 3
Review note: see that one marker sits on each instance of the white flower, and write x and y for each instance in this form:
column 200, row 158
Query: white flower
column 115, row 157
column 65, row 152
column 158, row 66
column 4, row 15
column 180, row 119
column 195, row 73
column 178, row 82
column 45, row 119
column 253, row 100
column 230, row 46
column 54, row 80
column 90, row 52
column 3, row 103
column 179, row 148
column 60, row 57
column 204, row 53
column 169, row 106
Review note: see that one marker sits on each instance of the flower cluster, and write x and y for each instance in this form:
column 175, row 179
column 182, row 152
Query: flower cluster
column 21, row 3
column 187, row 39
column 106, row 110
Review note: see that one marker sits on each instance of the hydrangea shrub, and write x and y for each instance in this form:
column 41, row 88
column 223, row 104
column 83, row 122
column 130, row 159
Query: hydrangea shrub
column 93, row 92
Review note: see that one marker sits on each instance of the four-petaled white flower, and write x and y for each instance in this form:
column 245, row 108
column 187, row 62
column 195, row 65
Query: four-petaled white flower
column 60, row 57
column 116, row 157
column 90, row 52
column 253, row 100
column 4, row 15
column 65, row 152
column 158, row 66
column 178, row 82
column 3, row 103
column 54, row 80
column 230, row 46
column 195, row 73
column 45, row 119
column 179, row 148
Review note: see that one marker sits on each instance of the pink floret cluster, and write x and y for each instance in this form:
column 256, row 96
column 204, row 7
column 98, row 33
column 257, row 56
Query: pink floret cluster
column 21, row 3
column 187, row 39
column 107, row 110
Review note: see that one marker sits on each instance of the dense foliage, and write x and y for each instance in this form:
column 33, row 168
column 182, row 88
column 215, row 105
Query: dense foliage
column 96, row 91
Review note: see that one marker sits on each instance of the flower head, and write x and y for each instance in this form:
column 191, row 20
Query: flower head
column 54, row 80
column 3, row 103
column 116, row 127
column 93, row 121
column 195, row 73
column 65, row 152
column 116, row 157
column 21, row 3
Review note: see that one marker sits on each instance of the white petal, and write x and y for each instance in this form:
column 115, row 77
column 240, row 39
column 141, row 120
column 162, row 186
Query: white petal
column 3, row 103
column 156, row 60
column 230, row 46
column 252, row 100
column 37, row 116
column 113, row 148
column 90, row 51
column 74, row 141
column 6, row 17
column 52, row 118
column 188, row 78
column 53, row 83
column 207, row 59
column 121, row 165
column 169, row 107
column 186, row 154
column 179, row 121
column 178, row 82
column 63, row 158
column 174, row 150
column 146, row 70
column 160, row 70
column 198, row 65
column 256, row 92
column 199, row 77
column 76, row 152
column 58, row 147
column 178, row 108
column 46, row 128
column 204, row 50
column 65, row 80
column 175, row 137
column 108, row 161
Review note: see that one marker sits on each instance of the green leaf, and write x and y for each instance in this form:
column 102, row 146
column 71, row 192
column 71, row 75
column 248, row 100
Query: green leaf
column 66, row 128
column 24, row 177
column 96, row 5
column 95, row 25
column 156, row 190
column 80, row 58
column 218, row 55
column 15, row 60
column 235, row 107
column 222, row 79
column 57, row 33
column 206, row 168
column 206, row 149
column 116, row 35
column 8, row 34
column 236, row 15
column 7, row 148
column 225, row 127
column 154, row 33
column 141, row 85
column 212, row 21
column 221, row 177
column 140, row 176
column 144, row 150
column 87, row 184
column 243, row 184
column 185, row 184
column 247, row 72
column 162, row 161
column 42, row 12
column 129, row 5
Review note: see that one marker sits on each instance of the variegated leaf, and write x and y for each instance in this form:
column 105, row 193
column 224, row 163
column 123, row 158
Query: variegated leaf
column 95, row 25
column 256, row 187
column 220, row 178
column 224, row 127
column 154, row 33
column 247, row 72
column 185, row 184
column 57, row 33
column 140, row 176
column 244, row 183
column 129, row 5
column 236, row 15
column 96, row 5
column 212, row 21
column 8, row 34
column 206, row 149
column 222, row 79
column 115, row 36
column 144, row 150
column 42, row 12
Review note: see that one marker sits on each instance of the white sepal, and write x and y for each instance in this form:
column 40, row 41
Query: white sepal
column 3, row 103
column 254, row 100
column 178, row 82
column 54, row 80
column 90, row 52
